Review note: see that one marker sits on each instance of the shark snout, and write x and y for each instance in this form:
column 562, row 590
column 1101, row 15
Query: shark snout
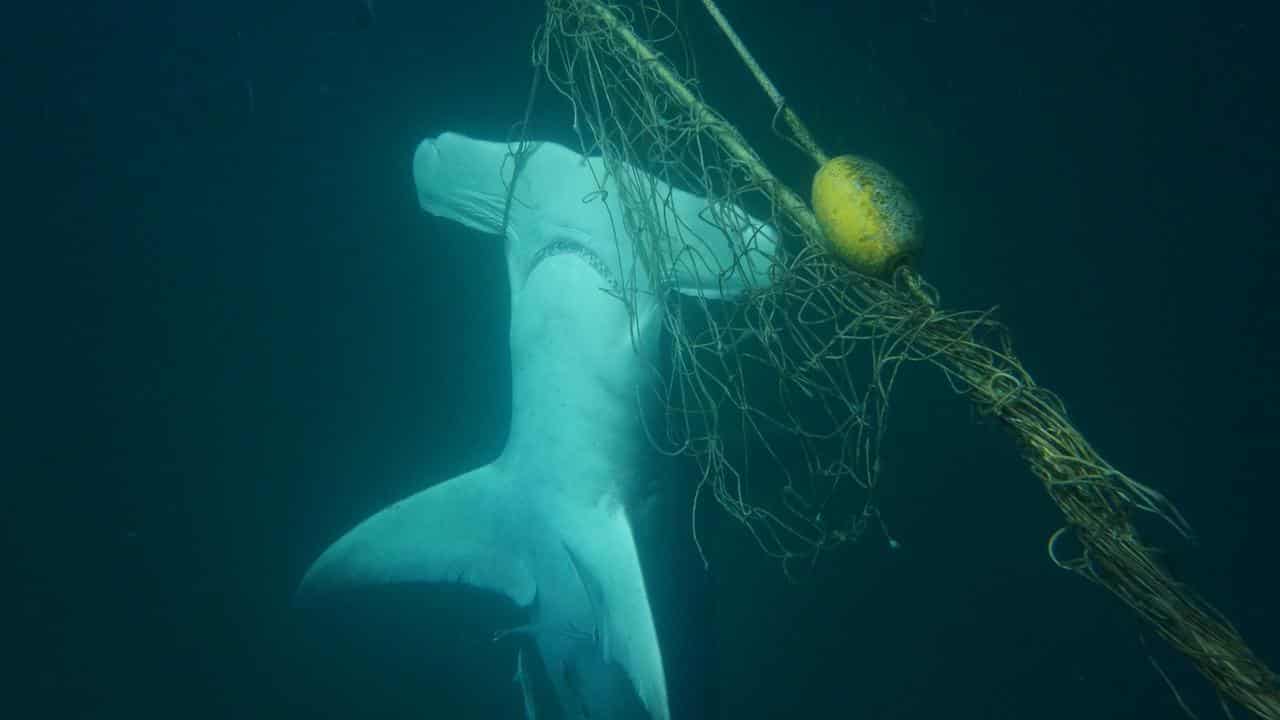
column 460, row 179
column 426, row 164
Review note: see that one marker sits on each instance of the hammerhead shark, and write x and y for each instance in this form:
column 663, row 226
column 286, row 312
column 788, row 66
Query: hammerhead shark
column 548, row 523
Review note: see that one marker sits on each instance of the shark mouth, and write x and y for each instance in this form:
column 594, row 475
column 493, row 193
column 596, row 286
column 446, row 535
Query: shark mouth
column 583, row 253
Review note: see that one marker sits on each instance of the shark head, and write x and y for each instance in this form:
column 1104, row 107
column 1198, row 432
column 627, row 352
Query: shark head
column 708, row 248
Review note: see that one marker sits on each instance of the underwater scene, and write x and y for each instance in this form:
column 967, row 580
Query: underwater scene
column 661, row 359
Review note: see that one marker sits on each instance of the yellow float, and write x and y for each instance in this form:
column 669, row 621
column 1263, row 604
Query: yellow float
column 866, row 214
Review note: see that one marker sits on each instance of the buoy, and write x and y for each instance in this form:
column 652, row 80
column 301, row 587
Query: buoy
column 867, row 215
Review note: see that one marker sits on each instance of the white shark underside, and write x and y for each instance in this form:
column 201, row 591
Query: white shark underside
column 547, row 524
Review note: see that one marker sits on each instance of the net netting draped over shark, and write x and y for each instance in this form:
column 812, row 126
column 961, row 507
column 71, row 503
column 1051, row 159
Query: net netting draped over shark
column 781, row 394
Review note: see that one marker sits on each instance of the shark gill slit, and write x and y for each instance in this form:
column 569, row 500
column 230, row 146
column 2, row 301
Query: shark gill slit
column 583, row 253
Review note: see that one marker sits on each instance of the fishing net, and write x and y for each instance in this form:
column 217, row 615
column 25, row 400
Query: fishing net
column 782, row 394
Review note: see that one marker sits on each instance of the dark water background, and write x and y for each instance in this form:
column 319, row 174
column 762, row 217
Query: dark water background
column 235, row 335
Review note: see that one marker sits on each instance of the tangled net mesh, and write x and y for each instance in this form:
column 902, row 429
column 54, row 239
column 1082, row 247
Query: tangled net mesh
column 781, row 395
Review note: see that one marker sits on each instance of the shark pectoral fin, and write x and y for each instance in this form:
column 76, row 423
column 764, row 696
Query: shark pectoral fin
column 463, row 531
column 603, row 554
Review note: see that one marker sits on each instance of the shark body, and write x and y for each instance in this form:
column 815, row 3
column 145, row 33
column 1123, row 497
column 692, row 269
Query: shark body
column 548, row 523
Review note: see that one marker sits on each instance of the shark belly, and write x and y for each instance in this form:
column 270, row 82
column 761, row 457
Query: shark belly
column 582, row 378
